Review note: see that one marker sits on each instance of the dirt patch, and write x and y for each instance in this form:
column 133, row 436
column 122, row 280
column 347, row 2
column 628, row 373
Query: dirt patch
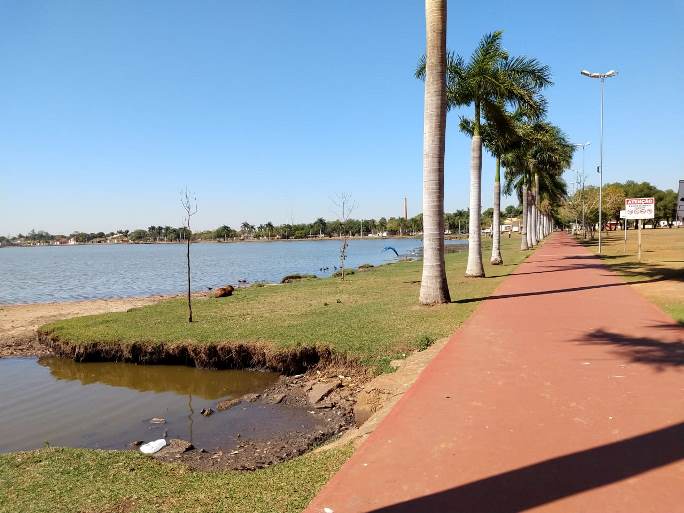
column 378, row 396
column 333, row 414
column 18, row 323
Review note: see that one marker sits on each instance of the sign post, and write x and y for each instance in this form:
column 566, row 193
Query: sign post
column 639, row 209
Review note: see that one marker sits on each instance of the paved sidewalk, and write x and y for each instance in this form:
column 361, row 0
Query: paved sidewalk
column 564, row 392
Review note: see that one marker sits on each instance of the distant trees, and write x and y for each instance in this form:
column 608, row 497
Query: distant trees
column 224, row 233
column 585, row 201
column 666, row 206
column 569, row 213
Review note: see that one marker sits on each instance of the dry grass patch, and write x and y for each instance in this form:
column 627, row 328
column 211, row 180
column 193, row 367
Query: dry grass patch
column 660, row 274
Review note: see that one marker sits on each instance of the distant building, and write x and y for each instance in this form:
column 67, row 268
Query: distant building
column 117, row 238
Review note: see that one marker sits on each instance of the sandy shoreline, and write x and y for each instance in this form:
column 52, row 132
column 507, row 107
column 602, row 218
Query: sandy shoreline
column 18, row 323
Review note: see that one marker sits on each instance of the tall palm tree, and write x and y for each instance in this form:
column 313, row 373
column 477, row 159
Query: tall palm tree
column 489, row 81
column 433, row 286
column 499, row 136
column 534, row 169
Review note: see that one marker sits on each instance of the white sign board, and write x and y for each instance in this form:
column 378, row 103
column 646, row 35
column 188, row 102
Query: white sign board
column 680, row 200
column 622, row 214
column 639, row 208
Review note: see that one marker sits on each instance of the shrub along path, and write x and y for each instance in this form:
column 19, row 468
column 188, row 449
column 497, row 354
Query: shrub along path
column 562, row 392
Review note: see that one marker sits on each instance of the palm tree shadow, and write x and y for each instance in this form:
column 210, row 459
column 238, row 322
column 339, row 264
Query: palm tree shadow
column 552, row 291
column 650, row 274
column 651, row 351
column 556, row 478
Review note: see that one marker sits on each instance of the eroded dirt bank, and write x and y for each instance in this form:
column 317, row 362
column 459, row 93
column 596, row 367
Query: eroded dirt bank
column 206, row 356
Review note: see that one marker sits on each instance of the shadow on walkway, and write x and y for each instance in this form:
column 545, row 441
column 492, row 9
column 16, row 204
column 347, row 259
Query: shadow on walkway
column 553, row 291
column 550, row 480
column 646, row 350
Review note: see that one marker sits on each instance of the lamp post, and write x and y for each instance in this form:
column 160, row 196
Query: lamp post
column 602, row 77
column 583, row 146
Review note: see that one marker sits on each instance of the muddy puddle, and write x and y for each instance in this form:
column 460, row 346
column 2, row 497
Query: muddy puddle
column 60, row 402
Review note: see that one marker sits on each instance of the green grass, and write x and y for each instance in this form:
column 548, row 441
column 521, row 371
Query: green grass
column 371, row 316
column 88, row 481
column 660, row 274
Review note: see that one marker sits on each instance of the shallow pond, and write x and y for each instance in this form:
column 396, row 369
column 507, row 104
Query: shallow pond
column 108, row 405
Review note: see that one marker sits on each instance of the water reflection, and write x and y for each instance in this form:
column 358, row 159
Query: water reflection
column 108, row 405
column 182, row 380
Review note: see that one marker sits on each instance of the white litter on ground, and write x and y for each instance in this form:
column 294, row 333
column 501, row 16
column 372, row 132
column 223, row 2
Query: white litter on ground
column 153, row 446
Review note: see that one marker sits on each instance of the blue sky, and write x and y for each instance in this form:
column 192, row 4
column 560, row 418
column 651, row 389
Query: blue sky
column 268, row 108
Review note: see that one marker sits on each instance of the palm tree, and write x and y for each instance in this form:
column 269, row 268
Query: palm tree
column 489, row 81
column 534, row 168
column 433, row 286
column 499, row 136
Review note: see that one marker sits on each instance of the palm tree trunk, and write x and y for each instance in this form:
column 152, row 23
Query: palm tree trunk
column 496, row 218
column 535, row 214
column 474, row 268
column 529, row 219
column 523, row 224
column 547, row 225
column 433, row 286
column 537, row 204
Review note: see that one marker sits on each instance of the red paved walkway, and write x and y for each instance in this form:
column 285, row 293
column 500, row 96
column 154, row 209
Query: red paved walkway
column 564, row 392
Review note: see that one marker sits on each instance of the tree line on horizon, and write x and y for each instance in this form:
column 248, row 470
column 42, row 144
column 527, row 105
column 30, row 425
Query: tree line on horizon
column 568, row 212
column 456, row 222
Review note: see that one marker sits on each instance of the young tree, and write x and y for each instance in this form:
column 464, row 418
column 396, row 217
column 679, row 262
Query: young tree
column 189, row 203
column 344, row 206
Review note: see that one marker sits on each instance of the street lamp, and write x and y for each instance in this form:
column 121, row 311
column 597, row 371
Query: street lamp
column 602, row 77
column 583, row 146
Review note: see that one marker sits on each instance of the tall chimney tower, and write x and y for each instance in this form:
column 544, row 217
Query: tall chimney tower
column 405, row 208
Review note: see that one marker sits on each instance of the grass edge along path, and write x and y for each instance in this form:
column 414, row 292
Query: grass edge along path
column 659, row 277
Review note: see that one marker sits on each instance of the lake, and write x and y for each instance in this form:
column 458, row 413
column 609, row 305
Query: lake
column 66, row 273
column 108, row 405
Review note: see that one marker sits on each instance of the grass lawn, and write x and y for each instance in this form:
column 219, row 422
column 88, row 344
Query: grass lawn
column 660, row 274
column 372, row 316
column 89, row 481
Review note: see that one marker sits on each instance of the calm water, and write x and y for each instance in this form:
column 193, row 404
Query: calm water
column 109, row 405
column 64, row 273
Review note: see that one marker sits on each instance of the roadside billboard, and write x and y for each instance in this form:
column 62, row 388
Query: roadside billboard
column 639, row 208
column 680, row 201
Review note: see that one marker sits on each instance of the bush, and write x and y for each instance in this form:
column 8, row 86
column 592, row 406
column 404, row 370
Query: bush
column 290, row 278
column 424, row 341
column 347, row 272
